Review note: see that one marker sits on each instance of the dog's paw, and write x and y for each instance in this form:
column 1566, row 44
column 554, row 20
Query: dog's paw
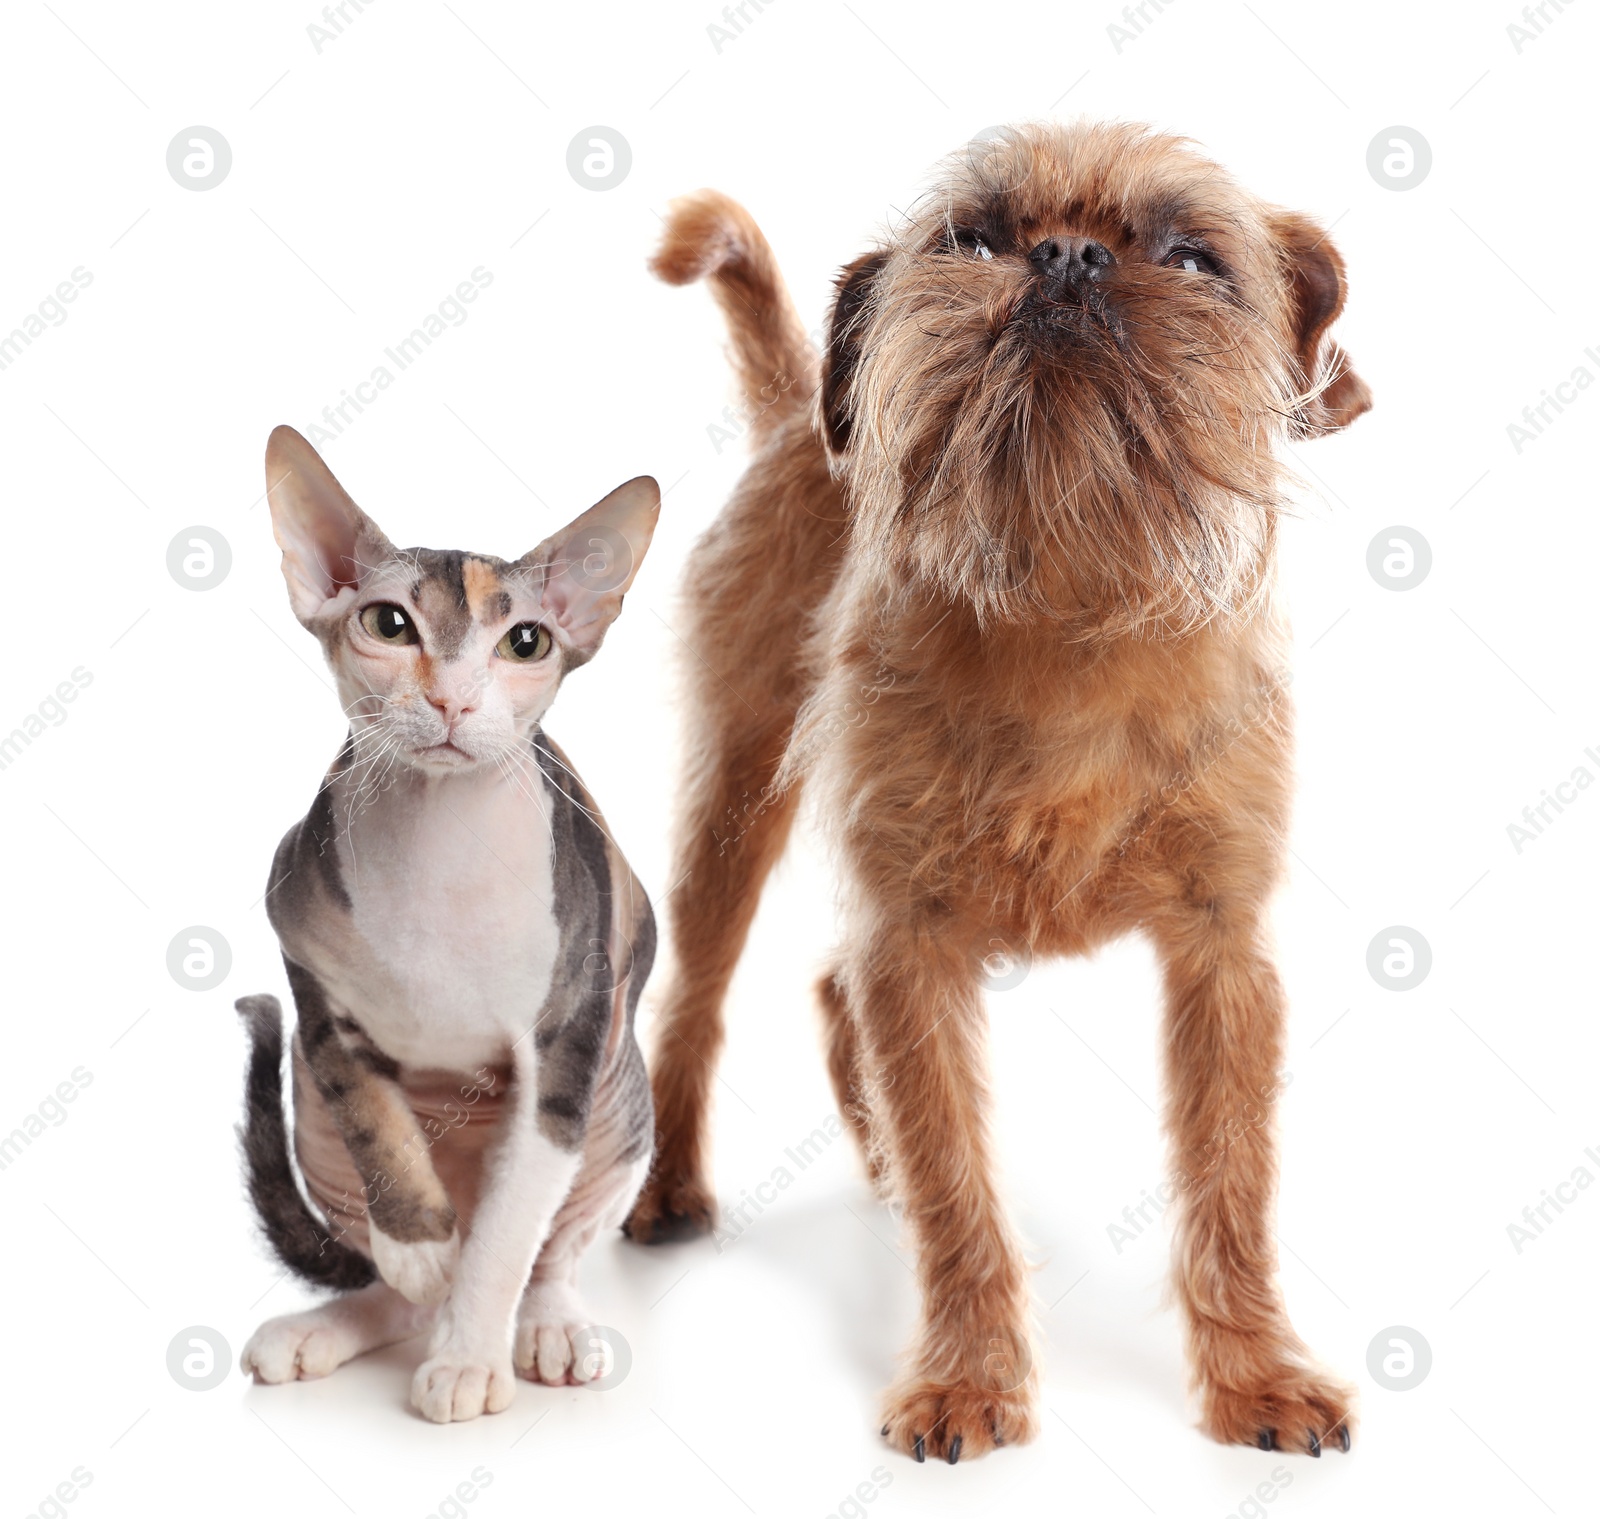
column 952, row 1422
column 670, row 1208
column 1290, row 1409
column 456, row 1385
column 297, row 1347
column 419, row 1270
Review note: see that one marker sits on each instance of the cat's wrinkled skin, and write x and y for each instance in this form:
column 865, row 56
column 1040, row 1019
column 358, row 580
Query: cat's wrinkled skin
column 465, row 945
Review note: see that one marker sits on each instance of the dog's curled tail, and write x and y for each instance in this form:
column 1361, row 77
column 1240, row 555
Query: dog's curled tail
column 298, row 1237
column 710, row 237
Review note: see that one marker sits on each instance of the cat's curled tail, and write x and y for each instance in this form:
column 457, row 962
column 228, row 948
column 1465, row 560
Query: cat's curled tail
column 711, row 237
column 297, row 1236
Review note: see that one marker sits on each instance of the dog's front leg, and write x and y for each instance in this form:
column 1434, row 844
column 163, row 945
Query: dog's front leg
column 1225, row 1014
column 968, row 1384
column 469, row 1367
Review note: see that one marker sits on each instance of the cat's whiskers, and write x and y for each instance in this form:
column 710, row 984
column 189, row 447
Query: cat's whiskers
column 594, row 817
column 511, row 762
column 376, row 750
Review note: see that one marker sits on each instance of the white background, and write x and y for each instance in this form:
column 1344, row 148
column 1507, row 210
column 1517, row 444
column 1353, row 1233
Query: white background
column 367, row 181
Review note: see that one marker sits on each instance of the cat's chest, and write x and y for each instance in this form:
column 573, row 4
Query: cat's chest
column 451, row 911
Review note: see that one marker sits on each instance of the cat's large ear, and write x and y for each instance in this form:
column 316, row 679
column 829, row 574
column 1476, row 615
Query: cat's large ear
column 587, row 567
column 325, row 537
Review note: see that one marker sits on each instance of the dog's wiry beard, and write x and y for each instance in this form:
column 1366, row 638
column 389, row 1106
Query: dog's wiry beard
column 1109, row 465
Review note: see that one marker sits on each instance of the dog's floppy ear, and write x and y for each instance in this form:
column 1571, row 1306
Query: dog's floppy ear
column 854, row 287
column 1315, row 274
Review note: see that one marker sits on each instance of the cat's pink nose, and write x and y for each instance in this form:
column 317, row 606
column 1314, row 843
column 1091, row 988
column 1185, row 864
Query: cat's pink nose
column 450, row 707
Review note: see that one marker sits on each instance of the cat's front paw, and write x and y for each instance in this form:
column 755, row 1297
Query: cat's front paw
column 419, row 1270
column 300, row 1346
column 555, row 1342
column 461, row 1384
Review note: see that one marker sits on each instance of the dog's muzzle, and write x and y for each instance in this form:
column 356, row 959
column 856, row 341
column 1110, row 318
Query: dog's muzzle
column 1068, row 267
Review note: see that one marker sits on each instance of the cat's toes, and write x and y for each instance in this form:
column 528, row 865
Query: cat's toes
column 419, row 1270
column 561, row 1352
column 296, row 1347
column 452, row 1386
column 549, row 1352
column 555, row 1342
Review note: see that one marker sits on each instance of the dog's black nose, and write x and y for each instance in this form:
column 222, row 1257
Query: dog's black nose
column 1070, row 263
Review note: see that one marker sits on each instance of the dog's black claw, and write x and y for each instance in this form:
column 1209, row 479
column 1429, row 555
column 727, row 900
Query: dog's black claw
column 1344, row 1438
column 918, row 1453
column 1316, row 1444
column 1267, row 1439
column 955, row 1450
column 884, row 1431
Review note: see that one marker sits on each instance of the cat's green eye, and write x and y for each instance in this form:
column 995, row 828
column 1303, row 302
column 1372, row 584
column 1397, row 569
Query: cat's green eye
column 390, row 623
column 527, row 641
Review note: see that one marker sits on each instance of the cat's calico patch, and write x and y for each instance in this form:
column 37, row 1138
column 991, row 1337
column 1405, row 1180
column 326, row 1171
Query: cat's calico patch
column 466, row 947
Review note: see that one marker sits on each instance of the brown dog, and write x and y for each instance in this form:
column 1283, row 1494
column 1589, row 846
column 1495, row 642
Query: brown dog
column 1004, row 601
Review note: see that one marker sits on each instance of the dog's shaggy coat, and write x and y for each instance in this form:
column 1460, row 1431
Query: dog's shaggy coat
column 1002, row 601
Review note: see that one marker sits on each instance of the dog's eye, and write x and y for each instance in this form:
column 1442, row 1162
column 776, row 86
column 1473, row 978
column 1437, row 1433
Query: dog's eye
column 1190, row 260
column 972, row 241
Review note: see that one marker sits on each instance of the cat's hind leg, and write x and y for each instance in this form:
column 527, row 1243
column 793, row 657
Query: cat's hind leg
column 412, row 1228
column 302, row 1346
column 554, row 1343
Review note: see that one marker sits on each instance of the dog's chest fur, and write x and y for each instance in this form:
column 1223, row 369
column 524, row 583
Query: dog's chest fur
column 1047, row 778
